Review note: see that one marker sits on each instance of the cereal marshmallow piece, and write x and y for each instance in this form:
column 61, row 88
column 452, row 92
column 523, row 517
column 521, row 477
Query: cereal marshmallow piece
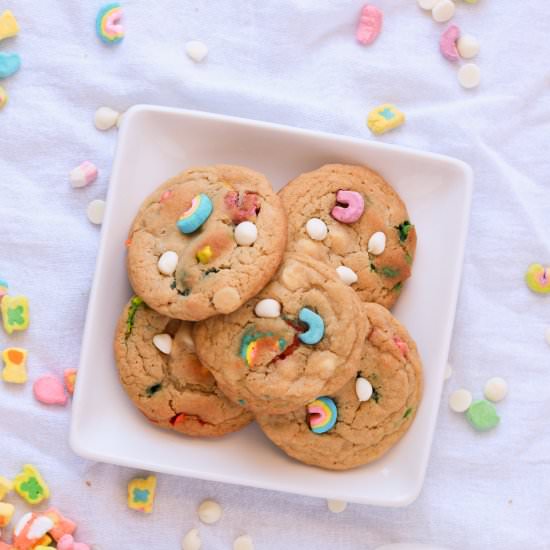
column 141, row 494
column 69, row 377
column 6, row 486
column 67, row 542
column 15, row 370
column 15, row 313
column 384, row 118
column 61, row 525
column 6, row 546
column 30, row 485
column 31, row 531
column 6, row 513
column 8, row 25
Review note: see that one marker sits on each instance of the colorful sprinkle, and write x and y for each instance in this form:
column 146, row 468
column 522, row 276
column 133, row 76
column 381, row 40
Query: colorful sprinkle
column 349, row 206
column 107, row 24
column 322, row 415
column 195, row 216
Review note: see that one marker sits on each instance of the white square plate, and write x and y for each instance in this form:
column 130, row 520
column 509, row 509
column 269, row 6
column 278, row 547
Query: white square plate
column 154, row 144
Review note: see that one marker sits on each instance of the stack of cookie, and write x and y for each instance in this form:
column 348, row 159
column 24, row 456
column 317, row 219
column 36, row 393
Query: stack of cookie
column 275, row 307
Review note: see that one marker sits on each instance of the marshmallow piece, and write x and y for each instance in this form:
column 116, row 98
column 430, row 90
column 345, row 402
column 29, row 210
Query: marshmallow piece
column 6, row 513
column 84, row 174
column 363, row 389
column 469, row 75
column 95, row 211
column 377, row 243
column 244, row 542
column 246, row 233
column 316, row 229
column 105, row 118
column 163, row 342
column 495, row 389
column 168, row 262
column 191, row 541
column 3, row 97
column 427, row 4
column 346, row 274
column 443, row 11
column 460, row 400
column 210, row 511
column 468, row 46
column 8, row 25
column 268, row 308
column 49, row 390
column 336, row 506
column 196, row 50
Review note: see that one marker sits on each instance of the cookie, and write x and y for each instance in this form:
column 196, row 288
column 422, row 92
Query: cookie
column 170, row 387
column 275, row 359
column 365, row 229
column 356, row 432
column 206, row 241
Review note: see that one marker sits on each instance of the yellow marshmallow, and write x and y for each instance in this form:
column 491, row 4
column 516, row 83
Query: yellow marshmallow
column 141, row 494
column 384, row 118
column 30, row 485
column 15, row 370
column 6, row 513
column 15, row 313
column 8, row 25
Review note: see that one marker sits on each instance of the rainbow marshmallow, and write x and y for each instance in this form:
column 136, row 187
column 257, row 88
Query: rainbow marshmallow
column 196, row 215
column 322, row 415
column 107, row 24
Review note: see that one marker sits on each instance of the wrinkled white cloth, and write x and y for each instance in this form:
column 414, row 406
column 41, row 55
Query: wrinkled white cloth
column 293, row 62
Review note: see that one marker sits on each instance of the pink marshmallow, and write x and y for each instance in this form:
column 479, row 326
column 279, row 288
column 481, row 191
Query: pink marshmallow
column 353, row 209
column 447, row 43
column 84, row 174
column 369, row 25
column 50, row 391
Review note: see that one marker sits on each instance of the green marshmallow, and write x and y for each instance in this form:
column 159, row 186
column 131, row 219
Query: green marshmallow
column 482, row 415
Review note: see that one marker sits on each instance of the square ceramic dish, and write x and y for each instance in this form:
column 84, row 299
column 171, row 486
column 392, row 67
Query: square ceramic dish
column 154, row 144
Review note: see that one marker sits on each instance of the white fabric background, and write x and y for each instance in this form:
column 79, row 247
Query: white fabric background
column 294, row 62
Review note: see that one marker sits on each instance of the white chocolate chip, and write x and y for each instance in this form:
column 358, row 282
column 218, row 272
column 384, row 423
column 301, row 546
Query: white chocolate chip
column 495, row 389
column 377, row 243
column 460, row 400
column 448, row 371
column 168, row 262
column 191, row 541
column 105, row 118
column 95, row 211
column 363, row 389
column 269, row 308
column 246, row 233
column 316, row 229
column 336, row 506
column 163, row 342
column 346, row 274
column 443, row 11
column 226, row 300
column 210, row 511
column 244, row 542
column 468, row 46
column 427, row 4
column 196, row 50
column 469, row 75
